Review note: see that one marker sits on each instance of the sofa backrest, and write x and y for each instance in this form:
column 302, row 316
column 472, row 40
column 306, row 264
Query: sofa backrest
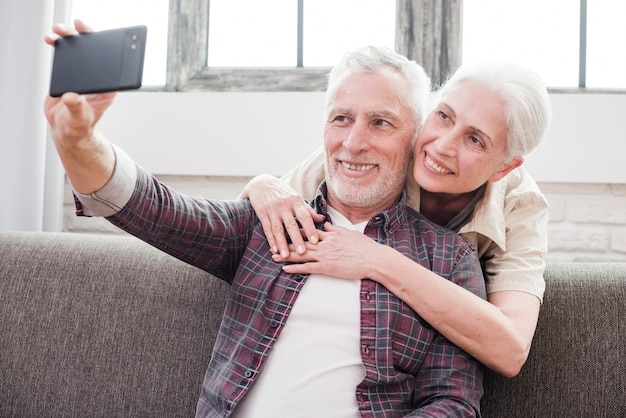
column 107, row 326
column 577, row 363
column 101, row 326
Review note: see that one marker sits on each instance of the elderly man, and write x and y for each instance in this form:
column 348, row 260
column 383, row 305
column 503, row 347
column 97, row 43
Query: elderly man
column 293, row 345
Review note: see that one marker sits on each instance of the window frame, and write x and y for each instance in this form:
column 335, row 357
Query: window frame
column 427, row 32
column 187, row 60
column 420, row 35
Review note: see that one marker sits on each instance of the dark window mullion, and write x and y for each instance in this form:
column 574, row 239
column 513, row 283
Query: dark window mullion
column 300, row 52
column 582, row 61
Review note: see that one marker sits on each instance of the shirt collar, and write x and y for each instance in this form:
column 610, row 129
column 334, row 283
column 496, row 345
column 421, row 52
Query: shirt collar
column 390, row 219
column 488, row 218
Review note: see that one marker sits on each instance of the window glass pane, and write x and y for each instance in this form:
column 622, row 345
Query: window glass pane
column 332, row 28
column 541, row 34
column 606, row 44
column 110, row 14
column 254, row 33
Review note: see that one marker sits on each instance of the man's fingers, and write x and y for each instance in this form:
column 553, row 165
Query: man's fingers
column 51, row 39
column 82, row 27
column 74, row 103
column 61, row 29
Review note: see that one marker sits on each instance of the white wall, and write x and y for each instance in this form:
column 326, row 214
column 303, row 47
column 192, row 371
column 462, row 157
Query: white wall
column 250, row 133
column 218, row 134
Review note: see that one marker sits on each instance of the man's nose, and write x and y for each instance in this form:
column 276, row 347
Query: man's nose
column 358, row 138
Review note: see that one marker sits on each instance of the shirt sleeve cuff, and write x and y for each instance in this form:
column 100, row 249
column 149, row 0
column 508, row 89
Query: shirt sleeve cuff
column 114, row 195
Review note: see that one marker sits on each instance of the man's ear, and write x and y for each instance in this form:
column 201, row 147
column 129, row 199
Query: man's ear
column 506, row 169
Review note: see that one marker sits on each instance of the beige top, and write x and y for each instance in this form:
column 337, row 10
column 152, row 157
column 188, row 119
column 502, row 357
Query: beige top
column 509, row 227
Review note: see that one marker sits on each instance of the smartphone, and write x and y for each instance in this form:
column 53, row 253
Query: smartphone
column 108, row 60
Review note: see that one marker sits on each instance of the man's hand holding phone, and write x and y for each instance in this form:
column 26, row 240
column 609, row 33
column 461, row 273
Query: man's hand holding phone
column 95, row 62
column 73, row 115
column 88, row 158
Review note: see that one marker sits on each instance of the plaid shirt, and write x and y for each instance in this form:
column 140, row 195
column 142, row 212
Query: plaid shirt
column 410, row 369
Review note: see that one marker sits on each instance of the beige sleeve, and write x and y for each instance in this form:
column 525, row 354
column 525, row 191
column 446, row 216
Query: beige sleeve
column 522, row 265
column 306, row 177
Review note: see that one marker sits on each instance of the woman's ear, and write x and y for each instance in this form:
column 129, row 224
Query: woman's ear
column 506, row 169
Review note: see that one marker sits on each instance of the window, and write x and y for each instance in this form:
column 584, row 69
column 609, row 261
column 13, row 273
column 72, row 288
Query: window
column 247, row 48
column 606, row 44
column 546, row 35
column 241, row 33
column 295, row 33
column 292, row 51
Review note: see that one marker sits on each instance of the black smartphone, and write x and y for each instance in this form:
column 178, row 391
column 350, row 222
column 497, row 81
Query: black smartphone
column 108, row 60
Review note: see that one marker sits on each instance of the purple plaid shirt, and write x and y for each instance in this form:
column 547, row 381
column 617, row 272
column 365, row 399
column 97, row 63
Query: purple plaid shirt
column 410, row 369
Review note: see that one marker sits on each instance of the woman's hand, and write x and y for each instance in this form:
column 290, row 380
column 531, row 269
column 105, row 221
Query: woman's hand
column 340, row 253
column 280, row 209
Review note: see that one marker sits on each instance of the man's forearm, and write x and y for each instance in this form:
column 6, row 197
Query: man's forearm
column 113, row 196
column 88, row 166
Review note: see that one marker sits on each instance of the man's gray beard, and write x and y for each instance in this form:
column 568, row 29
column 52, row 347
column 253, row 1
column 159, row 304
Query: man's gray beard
column 364, row 197
column 352, row 194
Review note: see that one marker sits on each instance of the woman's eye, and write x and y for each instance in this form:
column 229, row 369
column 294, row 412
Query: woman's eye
column 476, row 141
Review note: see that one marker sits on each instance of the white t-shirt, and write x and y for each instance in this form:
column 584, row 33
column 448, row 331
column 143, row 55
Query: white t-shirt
column 315, row 365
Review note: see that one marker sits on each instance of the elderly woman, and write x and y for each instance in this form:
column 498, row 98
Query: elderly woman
column 467, row 175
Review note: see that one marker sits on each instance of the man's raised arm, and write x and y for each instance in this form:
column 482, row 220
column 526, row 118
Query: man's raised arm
column 87, row 157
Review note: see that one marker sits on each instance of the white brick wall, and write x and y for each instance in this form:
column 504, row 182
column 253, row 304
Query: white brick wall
column 587, row 221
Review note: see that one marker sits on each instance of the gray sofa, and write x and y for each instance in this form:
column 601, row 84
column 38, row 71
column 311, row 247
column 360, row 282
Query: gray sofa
column 106, row 326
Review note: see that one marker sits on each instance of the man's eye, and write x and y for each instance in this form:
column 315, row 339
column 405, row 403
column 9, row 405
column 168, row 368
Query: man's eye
column 381, row 122
column 443, row 115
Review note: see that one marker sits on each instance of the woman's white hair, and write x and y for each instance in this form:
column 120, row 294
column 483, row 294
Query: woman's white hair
column 527, row 105
column 372, row 58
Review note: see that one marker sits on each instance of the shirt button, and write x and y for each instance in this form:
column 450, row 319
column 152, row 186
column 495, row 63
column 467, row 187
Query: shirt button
column 248, row 374
column 361, row 397
column 273, row 323
column 298, row 277
column 365, row 349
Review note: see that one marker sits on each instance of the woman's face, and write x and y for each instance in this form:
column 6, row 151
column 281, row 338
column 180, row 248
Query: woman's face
column 462, row 144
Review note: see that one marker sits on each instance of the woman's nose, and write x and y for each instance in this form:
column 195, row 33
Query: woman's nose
column 446, row 143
